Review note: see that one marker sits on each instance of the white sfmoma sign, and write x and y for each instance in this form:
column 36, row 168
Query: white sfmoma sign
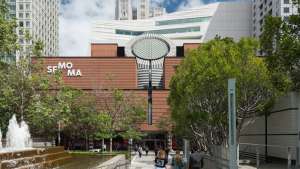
column 71, row 72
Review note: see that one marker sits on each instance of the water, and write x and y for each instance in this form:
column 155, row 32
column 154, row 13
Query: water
column 18, row 136
column 84, row 162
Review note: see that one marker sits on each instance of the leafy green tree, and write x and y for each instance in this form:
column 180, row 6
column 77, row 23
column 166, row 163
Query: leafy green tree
column 125, row 110
column 198, row 94
column 280, row 43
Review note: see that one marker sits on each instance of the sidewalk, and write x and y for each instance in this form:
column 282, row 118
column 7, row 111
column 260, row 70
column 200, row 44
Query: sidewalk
column 146, row 162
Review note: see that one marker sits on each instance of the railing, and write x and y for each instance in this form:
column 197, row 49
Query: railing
column 285, row 152
column 253, row 154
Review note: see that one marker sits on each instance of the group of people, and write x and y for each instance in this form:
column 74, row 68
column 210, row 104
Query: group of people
column 140, row 149
column 163, row 160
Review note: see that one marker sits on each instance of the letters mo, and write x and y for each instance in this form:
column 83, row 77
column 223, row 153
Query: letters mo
column 71, row 72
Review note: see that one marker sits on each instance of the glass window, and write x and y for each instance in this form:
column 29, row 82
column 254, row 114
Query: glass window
column 27, row 24
column 286, row 1
column 21, row 15
column 21, row 41
column 21, row 24
column 182, row 21
column 21, row 32
column 27, row 15
column 21, row 6
column 27, row 6
column 286, row 10
column 162, row 31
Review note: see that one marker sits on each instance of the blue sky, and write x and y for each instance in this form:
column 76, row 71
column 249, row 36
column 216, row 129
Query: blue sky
column 172, row 5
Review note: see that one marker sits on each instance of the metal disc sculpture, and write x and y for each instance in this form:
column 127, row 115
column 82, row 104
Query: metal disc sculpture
column 150, row 47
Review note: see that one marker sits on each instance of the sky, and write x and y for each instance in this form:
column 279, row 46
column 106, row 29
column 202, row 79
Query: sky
column 76, row 17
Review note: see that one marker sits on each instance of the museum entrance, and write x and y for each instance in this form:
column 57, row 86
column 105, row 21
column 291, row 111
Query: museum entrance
column 154, row 140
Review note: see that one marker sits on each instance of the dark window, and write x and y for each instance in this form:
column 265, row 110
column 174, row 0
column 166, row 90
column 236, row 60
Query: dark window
column 21, row 24
column 179, row 51
column 286, row 1
column 286, row 10
column 121, row 51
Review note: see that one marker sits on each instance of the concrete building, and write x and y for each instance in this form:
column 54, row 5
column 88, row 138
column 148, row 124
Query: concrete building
column 157, row 11
column 143, row 9
column 123, row 10
column 138, row 9
column 262, row 8
column 40, row 19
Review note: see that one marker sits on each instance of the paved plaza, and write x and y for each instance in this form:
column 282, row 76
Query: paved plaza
column 147, row 162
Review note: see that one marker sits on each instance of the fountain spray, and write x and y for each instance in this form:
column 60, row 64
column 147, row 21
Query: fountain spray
column 0, row 139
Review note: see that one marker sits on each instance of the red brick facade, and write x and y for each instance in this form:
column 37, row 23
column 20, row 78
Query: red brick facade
column 105, row 69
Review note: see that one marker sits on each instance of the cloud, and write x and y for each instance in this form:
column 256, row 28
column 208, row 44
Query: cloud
column 75, row 24
column 190, row 4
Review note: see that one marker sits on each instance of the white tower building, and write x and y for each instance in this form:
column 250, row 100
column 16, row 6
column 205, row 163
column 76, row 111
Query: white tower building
column 40, row 19
column 143, row 9
column 136, row 9
column 123, row 10
column 262, row 8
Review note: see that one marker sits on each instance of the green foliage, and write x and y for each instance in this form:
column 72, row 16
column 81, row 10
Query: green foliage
column 198, row 94
column 280, row 41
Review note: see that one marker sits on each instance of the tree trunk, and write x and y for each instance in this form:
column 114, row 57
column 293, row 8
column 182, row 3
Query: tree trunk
column 110, row 144
column 102, row 144
column 86, row 141
column 58, row 135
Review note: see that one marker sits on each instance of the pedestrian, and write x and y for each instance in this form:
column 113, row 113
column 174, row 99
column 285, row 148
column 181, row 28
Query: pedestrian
column 147, row 150
column 155, row 151
column 196, row 160
column 177, row 161
column 104, row 147
column 161, row 160
column 135, row 148
column 140, row 151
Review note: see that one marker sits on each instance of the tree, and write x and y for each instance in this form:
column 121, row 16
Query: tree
column 280, row 43
column 125, row 111
column 198, row 94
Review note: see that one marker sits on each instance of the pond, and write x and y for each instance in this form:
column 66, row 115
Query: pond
column 82, row 161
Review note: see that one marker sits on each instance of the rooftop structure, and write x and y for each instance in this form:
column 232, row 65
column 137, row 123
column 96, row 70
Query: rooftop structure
column 198, row 25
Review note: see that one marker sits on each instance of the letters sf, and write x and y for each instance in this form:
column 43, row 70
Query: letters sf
column 71, row 72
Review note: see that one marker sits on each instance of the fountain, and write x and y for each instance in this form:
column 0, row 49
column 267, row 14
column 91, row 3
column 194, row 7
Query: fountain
column 18, row 151
column 18, row 135
column 0, row 139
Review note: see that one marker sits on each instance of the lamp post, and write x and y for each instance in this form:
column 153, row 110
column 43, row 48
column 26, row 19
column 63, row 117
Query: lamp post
column 150, row 47
column 232, row 124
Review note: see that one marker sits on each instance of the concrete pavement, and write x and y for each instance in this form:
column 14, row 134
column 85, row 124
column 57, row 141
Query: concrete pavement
column 146, row 162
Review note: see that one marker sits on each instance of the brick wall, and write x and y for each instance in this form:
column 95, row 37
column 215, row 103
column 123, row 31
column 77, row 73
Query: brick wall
column 104, row 50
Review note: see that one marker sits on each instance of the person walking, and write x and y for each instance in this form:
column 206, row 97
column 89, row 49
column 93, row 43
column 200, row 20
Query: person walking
column 140, row 151
column 147, row 150
column 161, row 160
column 177, row 161
column 196, row 160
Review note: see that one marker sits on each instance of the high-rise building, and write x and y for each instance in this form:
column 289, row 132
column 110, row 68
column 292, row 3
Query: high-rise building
column 123, row 10
column 157, row 11
column 143, row 9
column 40, row 19
column 138, row 9
column 262, row 8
